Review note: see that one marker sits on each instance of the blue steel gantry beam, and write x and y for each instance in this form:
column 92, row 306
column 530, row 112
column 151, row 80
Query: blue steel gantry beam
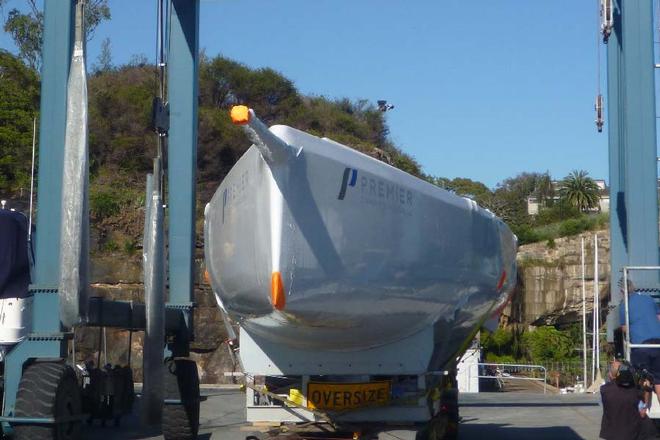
column 618, row 221
column 46, row 340
column 182, row 150
column 639, row 137
column 632, row 146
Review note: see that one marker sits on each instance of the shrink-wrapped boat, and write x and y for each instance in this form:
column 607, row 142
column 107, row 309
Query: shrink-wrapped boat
column 314, row 246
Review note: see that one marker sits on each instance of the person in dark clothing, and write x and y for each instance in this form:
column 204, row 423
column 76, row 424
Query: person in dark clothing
column 644, row 322
column 622, row 418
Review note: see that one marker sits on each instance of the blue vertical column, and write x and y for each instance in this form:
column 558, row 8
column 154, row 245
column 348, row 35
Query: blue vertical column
column 639, row 138
column 182, row 147
column 56, row 57
column 618, row 217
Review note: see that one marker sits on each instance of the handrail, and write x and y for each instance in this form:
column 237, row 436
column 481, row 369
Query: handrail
column 499, row 376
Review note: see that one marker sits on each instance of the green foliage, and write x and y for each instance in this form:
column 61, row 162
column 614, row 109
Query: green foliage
column 120, row 114
column 503, row 359
column 541, row 345
column 551, row 244
column 465, row 187
column 574, row 226
column 110, row 246
column 96, row 12
column 498, row 339
column 129, row 246
column 26, row 28
column 510, row 198
column 526, row 234
column 19, row 101
column 509, row 201
column 104, row 60
column 103, row 204
column 275, row 99
column 559, row 211
column 580, row 190
column 547, row 343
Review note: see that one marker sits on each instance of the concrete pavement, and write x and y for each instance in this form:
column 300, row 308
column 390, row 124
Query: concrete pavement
column 492, row 416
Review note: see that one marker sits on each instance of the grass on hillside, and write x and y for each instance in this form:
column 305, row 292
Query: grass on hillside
column 572, row 226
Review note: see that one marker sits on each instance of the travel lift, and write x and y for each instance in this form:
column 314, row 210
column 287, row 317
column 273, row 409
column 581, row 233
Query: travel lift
column 41, row 393
column 628, row 31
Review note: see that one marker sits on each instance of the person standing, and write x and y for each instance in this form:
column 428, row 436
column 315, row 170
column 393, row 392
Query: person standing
column 644, row 322
column 622, row 417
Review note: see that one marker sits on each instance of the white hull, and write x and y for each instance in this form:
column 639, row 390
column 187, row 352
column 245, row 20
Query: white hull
column 15, row 319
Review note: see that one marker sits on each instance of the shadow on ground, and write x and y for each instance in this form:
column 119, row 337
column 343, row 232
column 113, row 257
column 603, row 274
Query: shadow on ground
column 497, row 431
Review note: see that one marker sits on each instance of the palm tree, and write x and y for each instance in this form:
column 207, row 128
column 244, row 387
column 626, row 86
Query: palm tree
column 580, row 190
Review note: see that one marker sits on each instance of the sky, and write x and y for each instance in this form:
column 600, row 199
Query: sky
column 481, row 89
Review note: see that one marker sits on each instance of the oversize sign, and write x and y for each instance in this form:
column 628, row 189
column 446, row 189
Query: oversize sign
column 341, row 396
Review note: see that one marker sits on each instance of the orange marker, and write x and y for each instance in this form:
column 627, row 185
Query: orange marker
column 240, row 114
column 500, row 284
column 277, row 294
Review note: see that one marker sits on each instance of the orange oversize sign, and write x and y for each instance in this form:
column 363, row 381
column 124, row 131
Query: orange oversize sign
column 341, row 396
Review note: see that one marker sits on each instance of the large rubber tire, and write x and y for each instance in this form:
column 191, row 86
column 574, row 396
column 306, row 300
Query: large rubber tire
column 49, row 389
column 181, row 382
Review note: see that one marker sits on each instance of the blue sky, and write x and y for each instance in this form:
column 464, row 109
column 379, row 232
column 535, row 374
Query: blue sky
column 482, row 89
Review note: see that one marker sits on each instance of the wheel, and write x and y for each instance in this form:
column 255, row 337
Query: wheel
column 49, row 389
column 181, row 382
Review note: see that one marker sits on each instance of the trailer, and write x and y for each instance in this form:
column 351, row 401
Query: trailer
column 356, row 286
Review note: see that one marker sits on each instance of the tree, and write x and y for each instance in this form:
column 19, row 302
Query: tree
column 547, row 343
column 19, row 101
column 26, row 31
column 544, row 190
column 580, row 190
column 500, row 341
column 26, row 28
column 510, row 198
column 104, row 60
column 467, row 188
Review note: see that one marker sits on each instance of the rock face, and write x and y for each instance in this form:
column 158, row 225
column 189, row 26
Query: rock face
column 549, row 288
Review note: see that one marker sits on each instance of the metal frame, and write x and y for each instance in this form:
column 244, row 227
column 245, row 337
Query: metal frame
column 182, row 65
column 626, row 340
column 632, row 143
column 47, row 340
column 500, row 377
column 606, row 19
column 654, row 412
column 408, row 357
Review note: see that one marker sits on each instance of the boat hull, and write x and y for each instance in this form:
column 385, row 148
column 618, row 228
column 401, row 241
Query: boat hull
column 367, row 254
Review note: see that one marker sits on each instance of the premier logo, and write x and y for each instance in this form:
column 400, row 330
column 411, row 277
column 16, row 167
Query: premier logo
column 349, row 179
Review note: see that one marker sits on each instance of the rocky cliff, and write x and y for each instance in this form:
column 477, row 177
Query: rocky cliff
column 549, row 288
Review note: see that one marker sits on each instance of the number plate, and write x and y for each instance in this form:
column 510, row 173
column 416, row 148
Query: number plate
column 341, row 396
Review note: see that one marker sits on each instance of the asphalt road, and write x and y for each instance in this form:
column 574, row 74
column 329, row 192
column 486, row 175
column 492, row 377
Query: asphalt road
column 492, row 416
